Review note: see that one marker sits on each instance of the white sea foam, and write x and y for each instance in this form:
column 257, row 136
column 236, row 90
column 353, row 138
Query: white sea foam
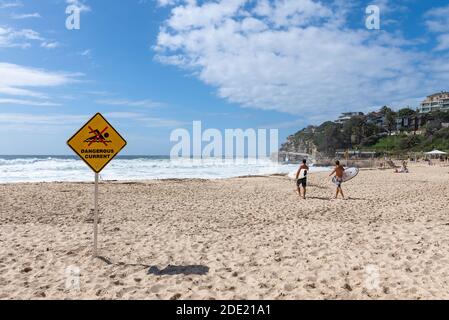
column 59, row 169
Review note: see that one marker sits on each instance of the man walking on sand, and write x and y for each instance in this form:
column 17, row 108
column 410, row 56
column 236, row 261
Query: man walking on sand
column 339, row 171
column 301, row 178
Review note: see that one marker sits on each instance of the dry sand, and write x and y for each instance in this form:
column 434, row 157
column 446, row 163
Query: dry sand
column 245, row 238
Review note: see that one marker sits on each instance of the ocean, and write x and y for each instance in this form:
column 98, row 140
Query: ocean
column 14, row 169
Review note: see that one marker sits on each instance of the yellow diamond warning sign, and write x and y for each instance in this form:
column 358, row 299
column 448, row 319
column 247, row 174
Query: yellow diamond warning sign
column 97, row 143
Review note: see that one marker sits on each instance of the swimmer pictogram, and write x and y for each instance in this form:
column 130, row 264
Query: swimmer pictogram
column 99, row 137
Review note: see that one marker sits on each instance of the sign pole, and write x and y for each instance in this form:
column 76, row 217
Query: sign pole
column 96, row 143
column 96, row 217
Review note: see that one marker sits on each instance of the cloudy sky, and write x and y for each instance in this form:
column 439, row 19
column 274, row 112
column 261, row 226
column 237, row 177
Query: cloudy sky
column 152, row 66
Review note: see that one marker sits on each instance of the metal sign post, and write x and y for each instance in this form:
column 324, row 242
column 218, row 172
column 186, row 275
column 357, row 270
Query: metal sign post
column 97, row 143
column 96, row 213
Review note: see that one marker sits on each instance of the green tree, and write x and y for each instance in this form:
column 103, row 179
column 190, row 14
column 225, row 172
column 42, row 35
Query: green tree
column 409, row 142
column 328, row 138
column 405, row 112
column 390, row 121
column 385, row 110
column 354, row 130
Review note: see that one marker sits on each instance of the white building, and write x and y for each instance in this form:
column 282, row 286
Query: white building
column 347, row 116
column 437, row 101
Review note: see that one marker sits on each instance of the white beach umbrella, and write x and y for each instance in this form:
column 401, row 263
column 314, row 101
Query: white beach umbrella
column 436, row 152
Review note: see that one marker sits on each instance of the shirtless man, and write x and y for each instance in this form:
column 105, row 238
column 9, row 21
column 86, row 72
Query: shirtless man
column 338, row 171
column 301, row 178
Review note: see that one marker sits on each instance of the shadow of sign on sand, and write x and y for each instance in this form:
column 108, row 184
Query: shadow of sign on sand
column 168, row 271
column 175, row 270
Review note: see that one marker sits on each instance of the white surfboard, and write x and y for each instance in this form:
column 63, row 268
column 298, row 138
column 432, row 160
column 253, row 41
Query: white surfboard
column 302, row 175
column 350, row 173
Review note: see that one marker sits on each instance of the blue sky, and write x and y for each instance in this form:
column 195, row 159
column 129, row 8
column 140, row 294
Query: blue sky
column 154, row 66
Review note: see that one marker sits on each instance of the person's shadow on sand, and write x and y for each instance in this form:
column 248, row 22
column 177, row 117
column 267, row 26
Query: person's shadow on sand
column 175, row 270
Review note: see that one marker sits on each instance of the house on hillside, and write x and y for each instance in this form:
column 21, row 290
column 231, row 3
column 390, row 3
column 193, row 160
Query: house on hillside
column 437, row 101
column 410, row 123
column 346, row 116
column 376, row 118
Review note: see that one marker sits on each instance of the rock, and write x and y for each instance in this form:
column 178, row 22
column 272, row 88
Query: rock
column 347, row 287
column 176, row 297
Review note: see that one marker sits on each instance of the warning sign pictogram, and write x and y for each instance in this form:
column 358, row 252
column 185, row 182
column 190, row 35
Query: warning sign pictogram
column 97, row 143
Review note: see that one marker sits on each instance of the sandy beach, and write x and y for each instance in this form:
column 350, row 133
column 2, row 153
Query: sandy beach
column 242, row 238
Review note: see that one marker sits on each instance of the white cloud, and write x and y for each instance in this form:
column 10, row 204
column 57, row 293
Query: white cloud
column 130, row 103
column 7, row 5
column 23, row 38
column 294, row 56
column 20, row 92
column 22, row 102
column 20, row 81
column 99, row 93
column 34, row 119
column 25, row 16
column 11, row 38
column 443, row 42
column 437, row 19
column 86, row 53
column 14, row 75
column 82, row 7
column 123, row 115
column 286, row 124
column 162, row 3
column 50, row 45
column 149, row 122
column 20, row 122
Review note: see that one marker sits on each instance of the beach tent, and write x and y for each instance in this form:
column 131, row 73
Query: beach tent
column 436, row 153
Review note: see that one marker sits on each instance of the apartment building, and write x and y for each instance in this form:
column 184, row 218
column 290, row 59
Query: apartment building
column 437, row 101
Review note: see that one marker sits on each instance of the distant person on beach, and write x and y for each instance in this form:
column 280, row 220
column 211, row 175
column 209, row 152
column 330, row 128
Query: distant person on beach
column 301, row 178
column 338, row 171
column 404, row 168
